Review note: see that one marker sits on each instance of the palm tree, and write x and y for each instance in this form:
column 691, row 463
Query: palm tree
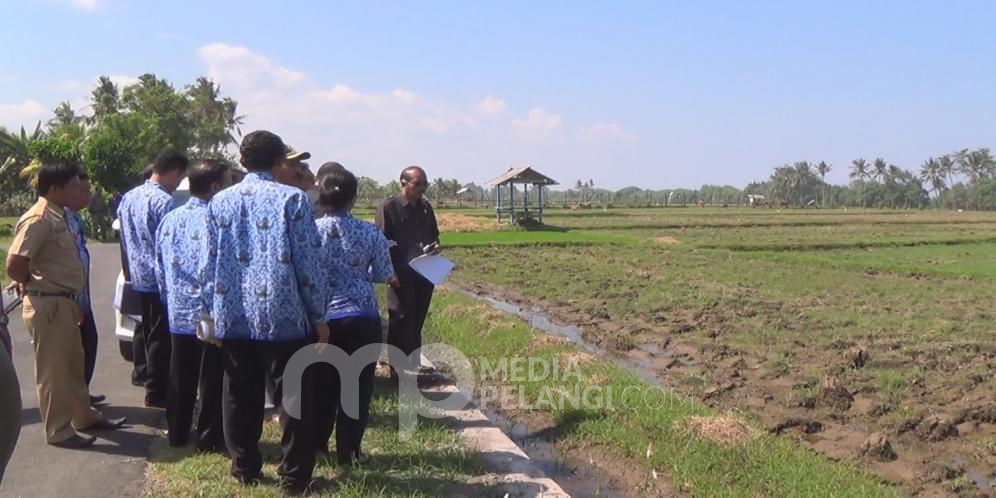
column 14, row 154
column 859, row 169
column 104, row 99
column 948, row 167
column 64, row 117
column 976, row 164
column 930, row 171
column 823, row 168
column 880, row 168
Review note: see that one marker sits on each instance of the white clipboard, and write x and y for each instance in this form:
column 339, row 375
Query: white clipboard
column 433, row 267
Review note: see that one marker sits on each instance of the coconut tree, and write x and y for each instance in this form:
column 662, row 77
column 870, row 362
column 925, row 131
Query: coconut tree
column 105, row 99
column 879, row 169
column 15, row 154
column 976, row 164
column 822, row 169
column 932, row 173
column 859, row 169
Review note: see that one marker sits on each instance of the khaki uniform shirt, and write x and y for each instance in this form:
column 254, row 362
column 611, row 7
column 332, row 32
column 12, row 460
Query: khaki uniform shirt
column 43, row 236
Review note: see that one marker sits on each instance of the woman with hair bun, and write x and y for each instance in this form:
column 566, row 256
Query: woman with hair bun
column 360, row 259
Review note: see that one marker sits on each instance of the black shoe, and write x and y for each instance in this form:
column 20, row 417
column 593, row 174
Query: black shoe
column 139, row 381
column 97, row 399
column 107, row 424
column 247, row 480
column 76, row 442
column 157, row 404
column 296, row 488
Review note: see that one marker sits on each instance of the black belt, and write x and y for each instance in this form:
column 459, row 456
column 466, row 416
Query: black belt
column 67, row 295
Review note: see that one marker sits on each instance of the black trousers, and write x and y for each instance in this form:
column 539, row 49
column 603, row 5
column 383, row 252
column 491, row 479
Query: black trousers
column 139, row 375
column 155, row 334
column 349, row 334
column 195, row 365
column 407, row 308
column 88, row 336
column 246, row 364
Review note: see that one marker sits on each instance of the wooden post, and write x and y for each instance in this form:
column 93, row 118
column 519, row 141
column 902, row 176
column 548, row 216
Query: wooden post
column 525, row 199
column 511, row 203
column 498, row 202
column 539, row 195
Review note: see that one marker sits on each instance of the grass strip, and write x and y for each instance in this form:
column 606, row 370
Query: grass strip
column 523, row 237
column 432, row 463
column 654, row 435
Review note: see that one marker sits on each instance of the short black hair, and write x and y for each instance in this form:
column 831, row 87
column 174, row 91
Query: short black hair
column 83, row 175
column 327, row 168
column 170, row 160
column 56, row 174
column 406, row 174
column 147, row 172
column 338, row 188
column 261, row 149
column 204, row 174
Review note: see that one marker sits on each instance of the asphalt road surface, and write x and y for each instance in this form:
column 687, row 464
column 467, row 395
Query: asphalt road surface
column 115, row 465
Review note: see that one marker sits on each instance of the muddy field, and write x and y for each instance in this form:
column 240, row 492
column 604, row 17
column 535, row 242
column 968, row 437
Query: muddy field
column 867, row 336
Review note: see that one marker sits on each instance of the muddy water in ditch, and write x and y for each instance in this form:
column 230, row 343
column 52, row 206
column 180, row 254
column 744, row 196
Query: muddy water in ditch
column 576, row 478
column 643, row 366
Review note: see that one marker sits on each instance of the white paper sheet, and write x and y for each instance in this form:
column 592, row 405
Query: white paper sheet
column 433, row 267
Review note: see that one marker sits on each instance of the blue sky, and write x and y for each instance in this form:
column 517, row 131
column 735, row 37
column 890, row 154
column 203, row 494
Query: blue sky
column 655, row 94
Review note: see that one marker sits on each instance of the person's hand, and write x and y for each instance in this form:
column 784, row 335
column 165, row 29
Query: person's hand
column 394, row 283
column 16, row 287
column 322, row 334
column 437, row 249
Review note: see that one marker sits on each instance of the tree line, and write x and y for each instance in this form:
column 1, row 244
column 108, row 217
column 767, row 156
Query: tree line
column 122, row 133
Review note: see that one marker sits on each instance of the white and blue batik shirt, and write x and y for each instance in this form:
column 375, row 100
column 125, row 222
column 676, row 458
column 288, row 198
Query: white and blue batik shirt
column 184, row 246
column 359, row 259
column 140, row 212
column 75, row 222
column 268, row 269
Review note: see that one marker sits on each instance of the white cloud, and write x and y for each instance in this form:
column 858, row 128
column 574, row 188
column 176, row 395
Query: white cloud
column 608, row 132
column 490, row 106
column 120, row 80
column 378, row 131
column 537, row 121
column 27, row 114
column 86, row 4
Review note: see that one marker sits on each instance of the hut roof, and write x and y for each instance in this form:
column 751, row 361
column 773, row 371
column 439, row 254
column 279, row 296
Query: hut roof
column 524, row 174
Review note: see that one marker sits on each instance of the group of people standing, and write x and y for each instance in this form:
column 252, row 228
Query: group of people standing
column 232, row 284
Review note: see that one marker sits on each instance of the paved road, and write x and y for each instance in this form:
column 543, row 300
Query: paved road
column 115, row 465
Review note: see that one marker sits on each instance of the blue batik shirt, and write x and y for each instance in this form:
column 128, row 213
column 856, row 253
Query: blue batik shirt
column 359, row 258
column 184, row 246
column 141, row 211
column 268, row 269
column 75, row 222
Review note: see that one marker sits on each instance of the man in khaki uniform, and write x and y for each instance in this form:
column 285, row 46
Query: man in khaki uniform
column 44, row 263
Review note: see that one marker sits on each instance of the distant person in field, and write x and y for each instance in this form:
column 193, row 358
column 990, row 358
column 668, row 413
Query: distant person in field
column 184, row 245
column 142, row 210
column 408, row 220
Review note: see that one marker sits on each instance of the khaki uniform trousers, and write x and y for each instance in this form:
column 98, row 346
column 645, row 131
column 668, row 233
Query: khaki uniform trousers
column 63, row 398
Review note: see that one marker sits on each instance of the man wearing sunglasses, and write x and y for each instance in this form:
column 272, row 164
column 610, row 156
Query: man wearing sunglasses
column 408, row 221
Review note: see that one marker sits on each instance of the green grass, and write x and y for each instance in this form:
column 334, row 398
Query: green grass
column 429, row 464
column 764, row 466
column 524, row 237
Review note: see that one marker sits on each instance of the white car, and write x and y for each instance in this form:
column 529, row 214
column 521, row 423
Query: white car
column 125, row 325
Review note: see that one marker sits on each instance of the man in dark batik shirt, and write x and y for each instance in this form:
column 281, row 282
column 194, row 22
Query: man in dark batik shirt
column 407, row 219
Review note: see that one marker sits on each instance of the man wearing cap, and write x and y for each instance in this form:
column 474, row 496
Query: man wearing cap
column 46, row 267
column 266, row 291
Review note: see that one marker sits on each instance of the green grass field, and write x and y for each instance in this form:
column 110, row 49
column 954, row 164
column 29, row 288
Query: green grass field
column 766, row 305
